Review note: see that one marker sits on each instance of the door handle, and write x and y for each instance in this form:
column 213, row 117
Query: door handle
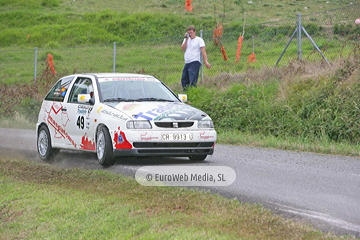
column 64, row 109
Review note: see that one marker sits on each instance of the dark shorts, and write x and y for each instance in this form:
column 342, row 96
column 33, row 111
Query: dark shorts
column 190, row 74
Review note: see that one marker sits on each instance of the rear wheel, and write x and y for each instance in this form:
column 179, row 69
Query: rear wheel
column 198, row 158
column 104, row 148
column 45, row 150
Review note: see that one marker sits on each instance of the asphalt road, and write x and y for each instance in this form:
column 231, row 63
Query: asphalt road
column 322, row 190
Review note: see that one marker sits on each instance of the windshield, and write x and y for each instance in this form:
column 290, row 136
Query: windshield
column 135, row 90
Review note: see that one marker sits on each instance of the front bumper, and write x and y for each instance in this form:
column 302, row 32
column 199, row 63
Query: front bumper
column 159, row 149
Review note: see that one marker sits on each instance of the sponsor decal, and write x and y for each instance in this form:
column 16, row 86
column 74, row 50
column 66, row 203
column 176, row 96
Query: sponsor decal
column 56, row 107
column 84, row 109
column 87, row 122
column 112, row 114
column 60, row 92
column 86, row 143
column 171, row 111
column 63, row 92
column 120, row 140
column 59, row 130
column 81, row 111
column 81, row 120
column 180, row 113
column 150, row 115
column 123, row 79
column 205, row 136
column 130, row 107
column 146, row 136
column 64, row 118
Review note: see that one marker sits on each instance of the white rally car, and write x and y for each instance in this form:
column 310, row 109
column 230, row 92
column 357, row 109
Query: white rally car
column 121, row 115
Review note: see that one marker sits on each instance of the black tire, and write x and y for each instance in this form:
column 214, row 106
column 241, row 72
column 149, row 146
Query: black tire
column 198, row 158
column 104, row 147
column 44, row 147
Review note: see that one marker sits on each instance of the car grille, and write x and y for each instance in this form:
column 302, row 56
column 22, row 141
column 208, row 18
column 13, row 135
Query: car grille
column 174, row 124
column 172, row 144
column 177, row 152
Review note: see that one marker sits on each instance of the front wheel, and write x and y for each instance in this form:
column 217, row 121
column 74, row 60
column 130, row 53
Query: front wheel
column 198, row 158
column 45, row 150
column 104, row 148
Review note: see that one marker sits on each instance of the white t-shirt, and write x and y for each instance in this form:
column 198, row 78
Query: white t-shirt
column 193, row 52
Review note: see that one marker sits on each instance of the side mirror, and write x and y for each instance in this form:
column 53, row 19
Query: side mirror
column 182, row 97
column 83, row 98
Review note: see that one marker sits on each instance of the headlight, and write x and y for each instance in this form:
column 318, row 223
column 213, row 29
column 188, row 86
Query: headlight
column 142, row 124
column 206, row 124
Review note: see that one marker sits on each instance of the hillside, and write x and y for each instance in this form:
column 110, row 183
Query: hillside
column 226, row 11
column 29, row 23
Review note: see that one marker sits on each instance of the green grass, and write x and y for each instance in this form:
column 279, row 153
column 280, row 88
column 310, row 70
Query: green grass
column 43, row 202
column 162, row 60
column 258, row 11
column 80, row 35
column 301, row 144
column 18, row 121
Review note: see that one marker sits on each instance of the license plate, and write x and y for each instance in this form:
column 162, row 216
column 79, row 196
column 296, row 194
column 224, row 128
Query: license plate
column 177, row 136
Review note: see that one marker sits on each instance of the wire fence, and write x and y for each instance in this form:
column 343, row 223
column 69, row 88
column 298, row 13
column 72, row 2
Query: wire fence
column 334, row 32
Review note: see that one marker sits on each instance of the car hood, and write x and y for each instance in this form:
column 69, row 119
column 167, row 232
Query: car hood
column 160, row 111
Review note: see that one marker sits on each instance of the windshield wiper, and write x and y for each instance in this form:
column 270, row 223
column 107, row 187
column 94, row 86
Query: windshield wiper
column 154, row 99
column 119, row 100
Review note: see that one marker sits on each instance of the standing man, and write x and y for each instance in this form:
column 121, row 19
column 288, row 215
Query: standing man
column 193, row 47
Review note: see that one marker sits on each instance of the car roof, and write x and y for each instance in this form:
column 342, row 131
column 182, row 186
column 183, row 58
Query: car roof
column 102, row 75
column 117, row 76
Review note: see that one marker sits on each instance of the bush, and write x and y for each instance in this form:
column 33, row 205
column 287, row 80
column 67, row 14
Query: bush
column 324, row 108
column 343, row 30
column 29, row 108
column 312, row 28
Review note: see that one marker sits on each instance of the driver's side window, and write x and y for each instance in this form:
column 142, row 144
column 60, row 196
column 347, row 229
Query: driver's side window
column 81, row 86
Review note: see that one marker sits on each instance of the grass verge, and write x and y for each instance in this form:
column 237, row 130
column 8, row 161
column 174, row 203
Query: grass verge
column 17, row 121
column 41, row 201
column 324, row 146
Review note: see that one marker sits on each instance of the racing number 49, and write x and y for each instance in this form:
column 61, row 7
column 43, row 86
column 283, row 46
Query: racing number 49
column 80, row 122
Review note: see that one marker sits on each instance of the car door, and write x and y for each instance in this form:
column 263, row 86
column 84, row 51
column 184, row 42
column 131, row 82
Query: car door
column 53, row 111
column 77, row 118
